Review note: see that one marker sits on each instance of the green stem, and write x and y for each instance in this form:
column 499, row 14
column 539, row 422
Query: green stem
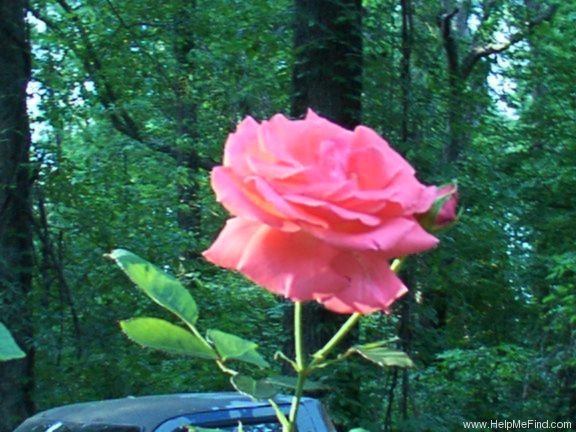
column 199, row 335
column 321, row 354
column 301, row 369
column 298, row 337
column 226, row 369
column 280, row 415
column 296, row 401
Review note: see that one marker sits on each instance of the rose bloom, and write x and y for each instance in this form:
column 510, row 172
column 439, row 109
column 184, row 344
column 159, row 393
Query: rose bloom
column 319, row 212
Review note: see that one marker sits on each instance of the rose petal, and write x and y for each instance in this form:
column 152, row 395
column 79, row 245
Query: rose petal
column 393, row 238
column 302, row 139
column 330, row 212
column 374, row 160
column 382, row 170
column 258, row 188
column 279, row 171
column 413, row 195
column 302, row 268
column 302, row 183
column 294, row 265
column 373, row 286
column 239, row 144
column 231, row 193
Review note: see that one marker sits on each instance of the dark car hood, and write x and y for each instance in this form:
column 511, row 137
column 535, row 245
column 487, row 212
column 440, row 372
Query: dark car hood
column 143, row 410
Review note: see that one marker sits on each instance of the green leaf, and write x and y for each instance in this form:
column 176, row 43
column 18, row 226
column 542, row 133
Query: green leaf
column 290, row 382
column 162, row 335
column 164, row 289
column 384, row 356
column 9, row 349
column 233, row 347
column 378, row 344
column 258, row 389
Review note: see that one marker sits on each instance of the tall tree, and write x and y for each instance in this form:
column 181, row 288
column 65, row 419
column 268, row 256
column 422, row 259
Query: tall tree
column 15, row 211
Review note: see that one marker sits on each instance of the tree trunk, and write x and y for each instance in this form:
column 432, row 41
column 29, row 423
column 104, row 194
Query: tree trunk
column 327, row 78
column 16, row 382
column 456, row 85
column 327, row 74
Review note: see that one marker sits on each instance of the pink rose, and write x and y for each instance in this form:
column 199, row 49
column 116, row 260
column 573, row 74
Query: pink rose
column 319, row 212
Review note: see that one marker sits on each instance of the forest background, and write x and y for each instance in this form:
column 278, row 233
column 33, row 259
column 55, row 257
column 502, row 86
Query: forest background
column 129, row 104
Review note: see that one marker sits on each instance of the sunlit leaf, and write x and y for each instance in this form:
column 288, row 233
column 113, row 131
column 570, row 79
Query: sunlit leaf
column 164, row 289
column 230, row 346
column 162, row 335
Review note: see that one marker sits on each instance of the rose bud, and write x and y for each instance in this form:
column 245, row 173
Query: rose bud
column 443, row 212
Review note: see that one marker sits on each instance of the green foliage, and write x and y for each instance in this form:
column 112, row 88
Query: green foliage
column 161, row 335
column 231, row 347
column 221, row 346
column 164, row 289
column 478, row 384
column 259, row 389
column 384, row 356
column 9, row 349
column 289, row 382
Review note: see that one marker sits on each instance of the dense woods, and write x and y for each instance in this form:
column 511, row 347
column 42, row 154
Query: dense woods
column 129, row 104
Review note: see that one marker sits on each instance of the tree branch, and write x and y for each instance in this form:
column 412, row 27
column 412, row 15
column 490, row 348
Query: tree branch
column 120, row 118
column 478, row 52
